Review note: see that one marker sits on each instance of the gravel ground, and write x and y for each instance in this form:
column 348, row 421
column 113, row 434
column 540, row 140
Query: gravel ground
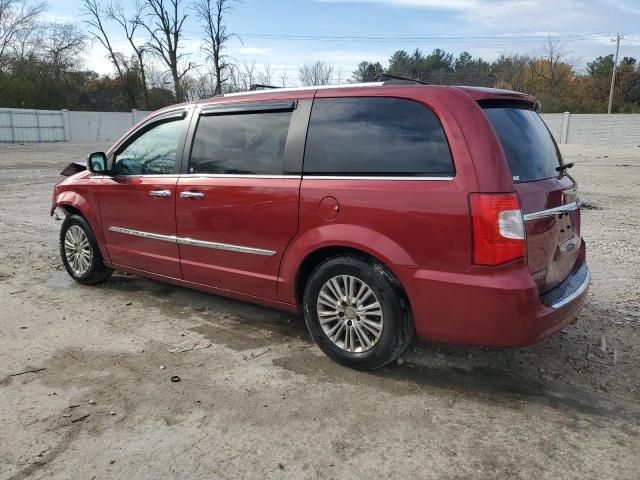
column 261, row 401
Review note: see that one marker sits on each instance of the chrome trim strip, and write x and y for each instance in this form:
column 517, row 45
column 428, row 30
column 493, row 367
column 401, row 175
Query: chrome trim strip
column 225, row 246
column 235, row 175
column 200, row 175
column 356, row 177
column 569, row 207
column 138, row 233
column 306, row 177
column 193, row 243
column 169, row 175
column 575, row 294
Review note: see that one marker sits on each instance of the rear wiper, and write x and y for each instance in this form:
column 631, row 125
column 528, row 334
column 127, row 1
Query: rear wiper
column 564, row 167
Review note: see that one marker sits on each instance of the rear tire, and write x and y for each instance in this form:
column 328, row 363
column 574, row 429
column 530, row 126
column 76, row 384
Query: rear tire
column 357, row 312
column 80, row 253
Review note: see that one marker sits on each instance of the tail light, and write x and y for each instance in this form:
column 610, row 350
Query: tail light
column 498, row 228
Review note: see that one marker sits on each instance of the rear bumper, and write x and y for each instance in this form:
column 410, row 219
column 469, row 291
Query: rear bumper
column 499, row 307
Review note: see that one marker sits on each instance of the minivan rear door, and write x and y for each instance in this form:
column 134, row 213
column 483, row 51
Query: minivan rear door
column 237, row 202
column 547, row 194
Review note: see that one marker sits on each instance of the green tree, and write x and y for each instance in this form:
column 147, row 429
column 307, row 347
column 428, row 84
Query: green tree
column 367, row 72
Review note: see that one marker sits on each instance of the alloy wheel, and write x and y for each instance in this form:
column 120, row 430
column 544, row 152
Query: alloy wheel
column 350, row 314
column 78, row 251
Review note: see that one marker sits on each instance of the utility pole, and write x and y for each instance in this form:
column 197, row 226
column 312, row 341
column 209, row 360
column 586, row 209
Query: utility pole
column 613, row 75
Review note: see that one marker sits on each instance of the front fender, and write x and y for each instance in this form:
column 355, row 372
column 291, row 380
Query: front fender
column 369, row 241
column 78, row 202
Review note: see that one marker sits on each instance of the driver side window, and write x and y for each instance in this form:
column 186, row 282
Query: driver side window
column 152, row 153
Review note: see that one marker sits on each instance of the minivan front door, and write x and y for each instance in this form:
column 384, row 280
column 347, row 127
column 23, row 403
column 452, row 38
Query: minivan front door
column 137, row 202
column 237, row 205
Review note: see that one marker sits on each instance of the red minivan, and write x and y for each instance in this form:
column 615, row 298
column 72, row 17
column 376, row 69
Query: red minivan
column 379, row 210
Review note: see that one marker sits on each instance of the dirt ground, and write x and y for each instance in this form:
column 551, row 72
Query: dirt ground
column 261, row 401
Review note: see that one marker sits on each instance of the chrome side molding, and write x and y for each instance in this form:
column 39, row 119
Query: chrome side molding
column 569, row 207
column 387, row 178
column 138, row 233
column 192, row 242
column 225, row 246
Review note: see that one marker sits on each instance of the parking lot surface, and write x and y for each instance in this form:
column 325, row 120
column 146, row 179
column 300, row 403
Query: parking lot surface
column 86, row 390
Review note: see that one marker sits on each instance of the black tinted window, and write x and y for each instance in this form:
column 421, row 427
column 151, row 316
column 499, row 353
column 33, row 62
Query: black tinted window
column 531, row 152
column 240, row 144
column 153, row 152
column 375, row 136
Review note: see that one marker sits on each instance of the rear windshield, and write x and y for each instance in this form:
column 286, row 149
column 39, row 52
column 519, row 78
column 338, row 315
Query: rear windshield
column 530, row 149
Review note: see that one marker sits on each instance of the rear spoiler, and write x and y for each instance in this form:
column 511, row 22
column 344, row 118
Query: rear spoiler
column 510, row 103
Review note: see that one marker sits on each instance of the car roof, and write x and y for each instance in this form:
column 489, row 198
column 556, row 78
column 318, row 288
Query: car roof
column 476, row 93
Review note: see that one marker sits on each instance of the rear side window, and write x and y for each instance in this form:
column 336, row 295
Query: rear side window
column 531, row 152
column 248, row 143
column 375, row 137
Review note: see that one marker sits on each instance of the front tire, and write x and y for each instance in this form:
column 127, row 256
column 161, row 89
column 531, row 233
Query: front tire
column 357, row 312
column 80, row 253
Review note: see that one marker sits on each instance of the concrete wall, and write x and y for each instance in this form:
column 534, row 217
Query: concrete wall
column 89, row 127
column 594, row 128
column 27, row 126
column 23, row 126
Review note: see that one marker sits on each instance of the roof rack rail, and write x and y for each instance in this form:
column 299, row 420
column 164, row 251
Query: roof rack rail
column 391, row 79
column 260, row 86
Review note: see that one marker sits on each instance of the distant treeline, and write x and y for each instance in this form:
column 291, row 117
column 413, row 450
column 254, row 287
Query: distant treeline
column 550, row 76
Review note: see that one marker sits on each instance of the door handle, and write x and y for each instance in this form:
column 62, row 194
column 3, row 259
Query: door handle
column 191, row 195
column 160, row 193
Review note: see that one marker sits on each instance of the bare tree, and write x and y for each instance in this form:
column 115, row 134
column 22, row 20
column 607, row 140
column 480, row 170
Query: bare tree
column 95, row 12
column 555, row 60
column 64, row 45
column 26, row 43
column 248, row 74
column 284, row 76
column 130, row 25
column 212, row 15
column 265, row 76
column 318, row 73
column 17, row 17
column 166, row 25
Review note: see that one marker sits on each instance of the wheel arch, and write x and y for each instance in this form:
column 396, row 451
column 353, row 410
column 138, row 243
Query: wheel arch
column 317, row 243
column 74, row 203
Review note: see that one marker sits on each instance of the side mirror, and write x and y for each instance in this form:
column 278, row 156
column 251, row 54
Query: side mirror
column 97, row 163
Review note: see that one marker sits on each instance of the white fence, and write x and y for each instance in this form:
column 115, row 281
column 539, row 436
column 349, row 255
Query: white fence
column 25, row 126
column 19, row 125
column 594, row 128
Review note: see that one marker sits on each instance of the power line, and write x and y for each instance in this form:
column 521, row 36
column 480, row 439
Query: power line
column 504, row 38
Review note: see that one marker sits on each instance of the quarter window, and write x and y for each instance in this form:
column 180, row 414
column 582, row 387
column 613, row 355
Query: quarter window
column 530, row 149
column 153, row 152
column 375, row 136
column 240, row 144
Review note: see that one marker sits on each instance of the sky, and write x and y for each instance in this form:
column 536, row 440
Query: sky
column 286, row 34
